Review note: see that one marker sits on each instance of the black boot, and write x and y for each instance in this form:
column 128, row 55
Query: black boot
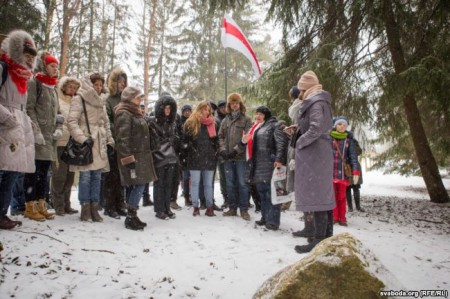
column 348, row 194
column 187, row 200
column 308, row 231
column 146, row 201
column 132, row 221
column 320, row 224
column 358, row 200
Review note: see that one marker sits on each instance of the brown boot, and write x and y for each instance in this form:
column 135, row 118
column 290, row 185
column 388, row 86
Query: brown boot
column 230, row 212
column 85, row 212
column 42, row 208
column 245, row 215
column 6, row 223
column 31, row 211
column 210, row 212
column 94, row 213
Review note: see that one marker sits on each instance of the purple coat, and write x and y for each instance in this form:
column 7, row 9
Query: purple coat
column 314, row 155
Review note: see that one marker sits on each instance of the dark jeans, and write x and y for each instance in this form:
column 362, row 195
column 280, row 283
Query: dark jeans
column 7, row 181
column 237, row 189
column 18, row 195
column 269, row 213
column 134, row 194
column 162, row 188
column 35, row 184
column 112, row 191
column 186, row 183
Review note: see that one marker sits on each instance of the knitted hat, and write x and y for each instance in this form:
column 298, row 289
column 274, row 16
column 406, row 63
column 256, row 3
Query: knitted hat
column 294, row 92
column 221, row 103
column 340, row 119
column 50, row 59
column 307, row 80
column 130, row 93
column 264, row 110
column 186, row 107
column 212, row 104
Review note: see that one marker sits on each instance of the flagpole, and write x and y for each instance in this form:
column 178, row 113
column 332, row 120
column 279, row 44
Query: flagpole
column 226, row 74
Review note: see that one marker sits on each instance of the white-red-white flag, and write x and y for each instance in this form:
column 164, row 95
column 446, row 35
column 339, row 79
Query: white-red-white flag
column 232, row 37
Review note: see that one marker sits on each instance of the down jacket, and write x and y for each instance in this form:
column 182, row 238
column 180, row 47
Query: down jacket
column 16, row 143
column 98, row 124
column 269, row 146
column 133, row 139
column 314, row 155
column 64, row 106
column 230, row 134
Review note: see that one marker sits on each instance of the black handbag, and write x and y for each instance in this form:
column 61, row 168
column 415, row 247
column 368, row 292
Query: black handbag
column 75, row 153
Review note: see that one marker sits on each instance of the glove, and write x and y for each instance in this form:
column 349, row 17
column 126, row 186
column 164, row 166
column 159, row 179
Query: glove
column 131, row 165
column 89, row 142
column 355, row 179
column 11, row 122
column 110, row 150
column 39, row 138
column 224, row 154
column 232, row 154
column 58, row 134
column 59, row 119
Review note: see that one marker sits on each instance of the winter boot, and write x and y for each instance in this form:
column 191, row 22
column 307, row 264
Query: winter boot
column 171, row 214
column 42, row 208
column 174, row 205
column 260, row 222
column 245, row 215
column 31, row 211
column 146, row 201
column 111, row 213
column 308, row 231
column 320, row 225
column 121, row 207
column 358, row 200
column 6, row 223
column 132, row 221
column 210, row 212
column 285, row 206
column 348, row 194
column 94, row 212
column 85, row 212
column 69, row 210
column 230, row 212
column 196, row 212
column 215, row 207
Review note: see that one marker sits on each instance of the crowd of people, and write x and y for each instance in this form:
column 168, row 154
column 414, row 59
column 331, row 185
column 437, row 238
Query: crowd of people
column 41, row 113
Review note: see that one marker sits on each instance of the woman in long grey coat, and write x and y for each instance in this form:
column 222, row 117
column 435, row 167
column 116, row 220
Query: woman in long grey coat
column 314, row 159
column 98, row 138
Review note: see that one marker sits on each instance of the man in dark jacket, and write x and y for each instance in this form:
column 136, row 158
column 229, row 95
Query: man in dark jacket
column 230, row 134
column 166, row 157
column 186, row 111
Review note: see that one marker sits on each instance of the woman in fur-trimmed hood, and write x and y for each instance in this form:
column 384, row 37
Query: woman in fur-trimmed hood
column 17, row 59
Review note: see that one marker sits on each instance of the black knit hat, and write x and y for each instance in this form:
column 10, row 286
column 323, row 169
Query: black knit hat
column 264, row 110
column 186, row 107
column 294, row 92
column 221, row 103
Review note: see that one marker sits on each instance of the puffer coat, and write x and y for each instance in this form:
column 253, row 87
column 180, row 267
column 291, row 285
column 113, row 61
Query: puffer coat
column 269, row 146
column 64, row 107
column 133, row 139
column 42, row 111
column 98, row 124
column 314, row 155
column 202, row 150
column 16, row 143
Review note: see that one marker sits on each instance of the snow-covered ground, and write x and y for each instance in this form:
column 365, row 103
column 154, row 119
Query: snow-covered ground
column 217, row 257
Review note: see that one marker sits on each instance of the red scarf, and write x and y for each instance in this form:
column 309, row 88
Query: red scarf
column 18, row 74
column 210, row 126
column 46, row 79
column 250, row 141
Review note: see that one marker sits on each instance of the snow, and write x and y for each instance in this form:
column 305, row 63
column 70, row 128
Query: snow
column 218, row 257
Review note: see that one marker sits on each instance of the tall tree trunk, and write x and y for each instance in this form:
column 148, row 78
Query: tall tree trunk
column 113, row 52
column 50, row 6
column 160, row 60
column 148, row 50
column 68, row 13
column 427, row 162
column 91, row 34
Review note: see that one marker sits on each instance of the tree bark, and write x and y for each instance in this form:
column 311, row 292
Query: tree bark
column 148, row 51
column 68, row 13
column 50, row 6
column 427, row 162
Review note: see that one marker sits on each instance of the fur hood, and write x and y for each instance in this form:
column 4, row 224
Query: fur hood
column 64, row 81
column 113, row 78
column 14, row 44
column 159, row 108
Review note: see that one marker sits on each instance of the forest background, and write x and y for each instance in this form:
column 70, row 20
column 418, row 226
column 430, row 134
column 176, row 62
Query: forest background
column 385, row 62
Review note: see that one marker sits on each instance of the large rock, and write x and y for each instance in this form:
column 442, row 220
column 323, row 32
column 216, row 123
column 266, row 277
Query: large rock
column 339, row 267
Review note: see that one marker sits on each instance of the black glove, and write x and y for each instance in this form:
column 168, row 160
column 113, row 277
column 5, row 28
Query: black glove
column 131, row 165
column 110, row 150
column 89, row 142
column 232, row 154
column 224, row 154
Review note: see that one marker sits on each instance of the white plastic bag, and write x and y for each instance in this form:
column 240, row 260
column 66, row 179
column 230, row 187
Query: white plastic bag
column 279, row 193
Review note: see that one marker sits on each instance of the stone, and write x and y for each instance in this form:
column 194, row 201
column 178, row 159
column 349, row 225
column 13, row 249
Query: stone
column 338, row 267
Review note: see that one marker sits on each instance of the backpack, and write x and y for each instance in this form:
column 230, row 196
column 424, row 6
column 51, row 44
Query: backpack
column 5, row 77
